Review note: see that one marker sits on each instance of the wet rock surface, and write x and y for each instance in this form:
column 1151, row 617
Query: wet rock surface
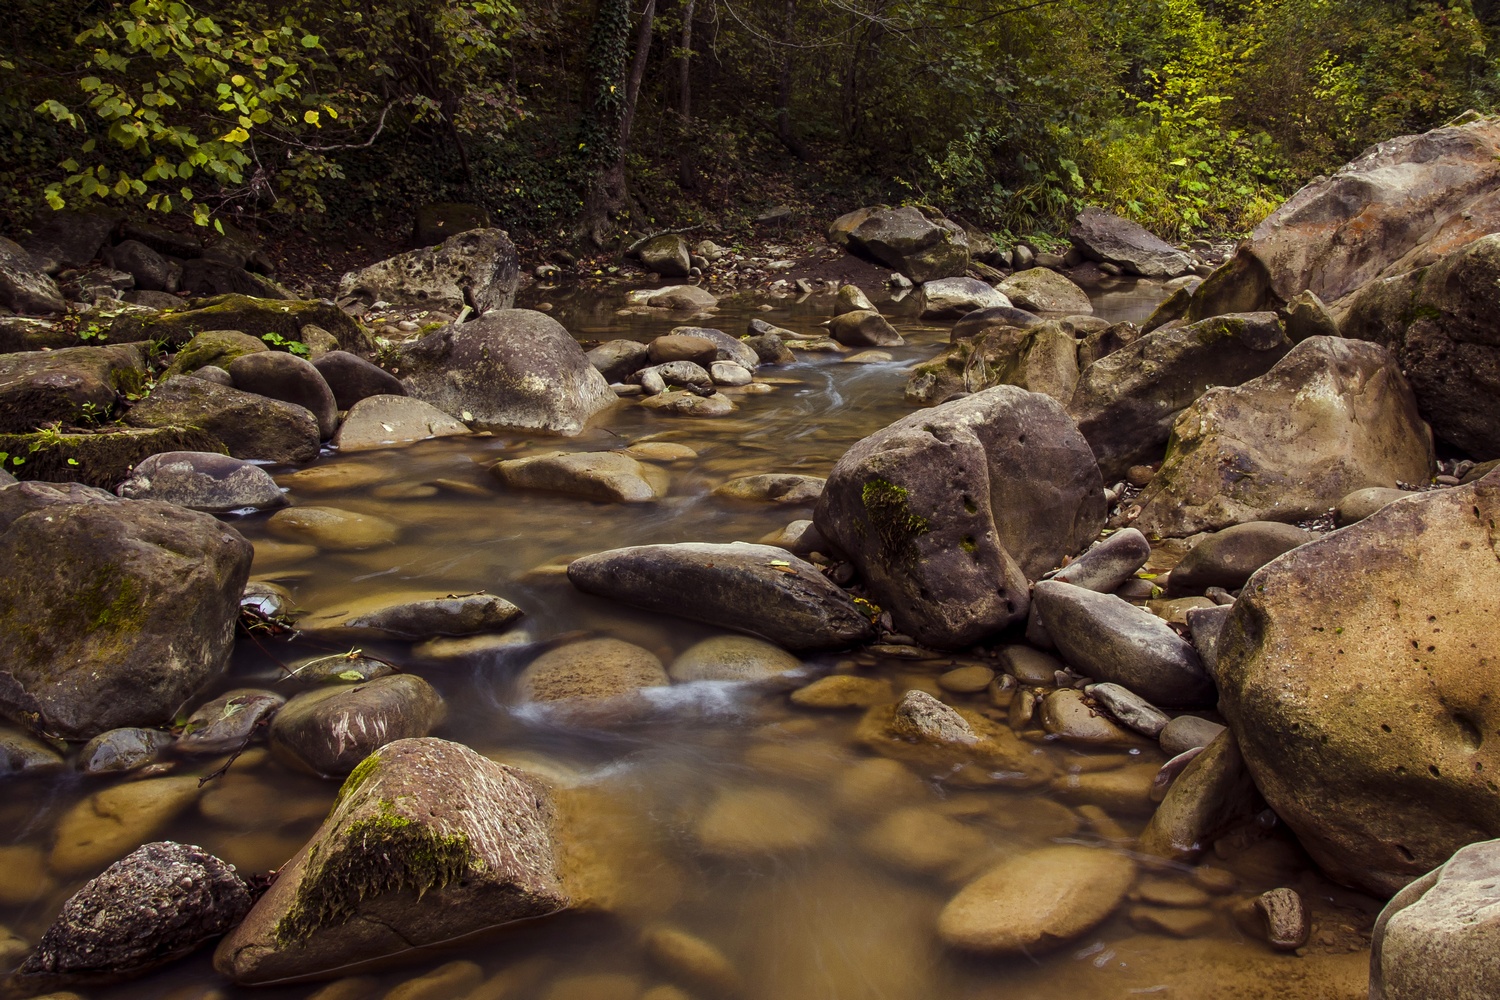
column 330, row 730
column 203, row 481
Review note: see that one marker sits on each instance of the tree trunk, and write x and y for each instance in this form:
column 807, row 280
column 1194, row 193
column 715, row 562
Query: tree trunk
column 600, row 129
column 637, row 73
column 784, row 88
column 687, row 168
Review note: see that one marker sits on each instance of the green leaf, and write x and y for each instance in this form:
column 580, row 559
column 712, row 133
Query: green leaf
column 310, row 41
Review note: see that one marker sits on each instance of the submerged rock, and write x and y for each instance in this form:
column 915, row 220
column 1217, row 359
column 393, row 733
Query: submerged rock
column 122, row 750
column 1036, row 901
column 115, row 613
column 332, row 528
column 733, row 658
column 427, row 842
column 410, row 615
column 749, row 588
column 1363, row 694
column 948, row 512
column 1333, row 416
column 23, row 756
column 154, row 906
column 604, row 475
column 109, row 824
column 773, row 488
column 511, row 369
column 328, row 731
column 594, row 670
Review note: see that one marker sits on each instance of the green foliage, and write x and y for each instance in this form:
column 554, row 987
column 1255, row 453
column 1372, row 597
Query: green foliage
column 280, row 343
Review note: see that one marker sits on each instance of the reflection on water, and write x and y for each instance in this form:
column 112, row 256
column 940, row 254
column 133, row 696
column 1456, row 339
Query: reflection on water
column 769, row 831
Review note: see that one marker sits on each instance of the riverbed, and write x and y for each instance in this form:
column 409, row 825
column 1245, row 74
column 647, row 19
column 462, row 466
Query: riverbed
column 841, row 858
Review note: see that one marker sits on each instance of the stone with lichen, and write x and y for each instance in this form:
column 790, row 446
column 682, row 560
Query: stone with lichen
column 427, row 842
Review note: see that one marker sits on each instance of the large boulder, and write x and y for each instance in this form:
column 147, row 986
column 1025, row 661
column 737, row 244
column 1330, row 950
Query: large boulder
column 24, row 286
column 905, row 239
column 67, row 386
column 103, row 457
column 666, row 255
column 954, row 298
column 352, row 378
column 607, row 476
column 250, row 425
column 1041, row 289
column 70, row 239
column 511, row 369
column 1110, row 239
column 155, row 905
column 1401, row 205
column 1436, row 939
column 477, row 268
column 1363, row 694
column 247, row 314
column 1125, row 402
column 1443, row 325
column 427, row 842
column 1332, row 417
column 283, row 376
column 757, row 589
column 115, row 613
column 948, row 512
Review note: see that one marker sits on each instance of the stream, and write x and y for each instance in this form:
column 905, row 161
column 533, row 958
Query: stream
column 841, row 859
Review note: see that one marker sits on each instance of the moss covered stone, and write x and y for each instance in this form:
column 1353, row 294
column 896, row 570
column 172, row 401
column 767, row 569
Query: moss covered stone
column 213, row 347
column 101, row 458
column 248, row 315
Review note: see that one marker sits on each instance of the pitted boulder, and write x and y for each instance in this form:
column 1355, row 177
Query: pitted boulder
column 477, row 268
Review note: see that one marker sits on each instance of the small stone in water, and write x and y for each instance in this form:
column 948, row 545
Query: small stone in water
column 1172, row 922
column 691, row 961
column 446, row 981
column 844, row 691
column 966, row 680
column 1287, row 920
column 921, row 716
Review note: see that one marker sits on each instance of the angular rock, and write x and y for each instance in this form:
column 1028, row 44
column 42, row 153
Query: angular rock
column 679, row 298
column 384, row 421
column 352, row 378
column 67, row 386
column 330, row 730
column 954, row 298
column 770, row 349
column 203, row 481
column 511, row 369
column 159, row 903
column 151, row 270
column 852, row 298
column 864, row 328
column 1126, row 402
column 674, row 375
column 410, row 615
column 981, row 320
column 666, row 255
column 920, row 716
column 251, row 426
column 477, row 268
column 1362, row 693
column 70, row 239
column 1204, row 626
column 1287, row 919
column 1307, row 316
column 1110, row 239
column 1439, row 323
column 113, row 614
column 591, row 671
column 228, row 722
column 603, row 475
column 1043, row 290
column 948, row 512
column 1399, row 206
column 1130, row 709
column 1211, row 797
column 427, row 842
column 1188, row 732
column 1333, row 416
column 1229, row 557
column 690, row 404
column 1040, row 358
column 278, row 375
column 1111, row 640
column 904, row 239
column 749, row 588
column 1436, row 939
column 24, row 287
column 1036, row 901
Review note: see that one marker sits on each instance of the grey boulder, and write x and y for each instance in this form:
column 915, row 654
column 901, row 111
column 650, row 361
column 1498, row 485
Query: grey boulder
column 329, row 730
column 24, row 287
column 1110, row 239
column 202, row 480
column 477, row 268
column 251, row 426
column 351, row 378
column 1228, row 558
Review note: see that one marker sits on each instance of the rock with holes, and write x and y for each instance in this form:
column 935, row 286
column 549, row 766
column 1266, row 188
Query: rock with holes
column 329, row 730
column 949, row 512
column 477, row 268
column 159, row 903
column 204, row 481
column 511, row 369
column 1365, row 697
column 427, row 842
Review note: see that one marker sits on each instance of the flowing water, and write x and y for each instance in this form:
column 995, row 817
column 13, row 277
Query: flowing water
column 822, row 894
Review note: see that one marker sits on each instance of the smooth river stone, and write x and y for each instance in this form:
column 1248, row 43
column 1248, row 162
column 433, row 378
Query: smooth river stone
column 332, row 529
column 108, row 825
column 773, row 488
column 688, row 959
column 121, row 750
column 606, row 475
column 386, row 421
column 410, row 615
column 839, row 691
column 1067, row 715
column 922, row 841
column 1036, row 901
column 1109, row 639
column 228, row 722
column 754, row 822
column 22, row 755
column 329, row 730
column 733, row 658
column 594, row 670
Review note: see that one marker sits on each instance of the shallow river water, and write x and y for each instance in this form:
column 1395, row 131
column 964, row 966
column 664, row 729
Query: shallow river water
column 840, row 860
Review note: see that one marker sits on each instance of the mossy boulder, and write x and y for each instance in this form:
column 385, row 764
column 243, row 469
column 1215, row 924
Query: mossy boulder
column 247, row 314
column 30, row 333
column 102, row 458
column 38, row 388
column 949, row 512
column 114, row 613
column 218, row 348
column 427, row 842
column 250, row 426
